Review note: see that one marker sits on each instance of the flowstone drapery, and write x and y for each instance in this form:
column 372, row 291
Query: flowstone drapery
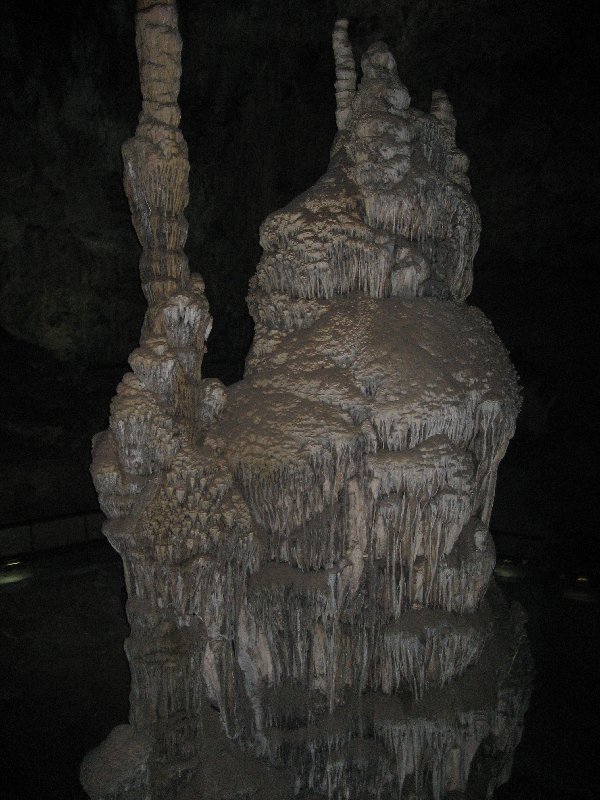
column 307, row 553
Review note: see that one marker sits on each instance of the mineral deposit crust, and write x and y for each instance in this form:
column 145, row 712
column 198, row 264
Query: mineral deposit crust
column 307, row 553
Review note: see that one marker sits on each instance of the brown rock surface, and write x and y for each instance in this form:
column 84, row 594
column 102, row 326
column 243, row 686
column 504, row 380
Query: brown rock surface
column 308, row 552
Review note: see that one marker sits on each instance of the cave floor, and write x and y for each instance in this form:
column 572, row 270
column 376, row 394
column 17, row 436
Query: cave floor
column 64, row 677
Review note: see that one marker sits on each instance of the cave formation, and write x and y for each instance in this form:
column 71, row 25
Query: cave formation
column 307, row 552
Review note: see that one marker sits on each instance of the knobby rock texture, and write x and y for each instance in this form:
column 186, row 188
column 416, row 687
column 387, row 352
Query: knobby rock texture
column 259, row 126
column 307, row 553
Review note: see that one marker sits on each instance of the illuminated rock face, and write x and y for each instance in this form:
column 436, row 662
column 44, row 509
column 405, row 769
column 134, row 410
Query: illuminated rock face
column 307, row 553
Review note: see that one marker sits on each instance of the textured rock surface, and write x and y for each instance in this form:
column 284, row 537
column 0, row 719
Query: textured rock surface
column 308, row 552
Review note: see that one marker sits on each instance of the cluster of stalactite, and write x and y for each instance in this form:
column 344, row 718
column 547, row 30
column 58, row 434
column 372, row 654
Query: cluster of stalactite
column 307, row 554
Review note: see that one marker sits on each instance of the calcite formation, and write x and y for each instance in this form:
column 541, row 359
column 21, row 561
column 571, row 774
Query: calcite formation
column 307, row 553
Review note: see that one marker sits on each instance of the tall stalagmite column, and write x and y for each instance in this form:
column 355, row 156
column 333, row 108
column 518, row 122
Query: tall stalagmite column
column 309, row 564
column 156, row 417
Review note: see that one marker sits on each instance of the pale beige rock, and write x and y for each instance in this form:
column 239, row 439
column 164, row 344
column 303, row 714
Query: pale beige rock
column 345, row 73
column 307, row 553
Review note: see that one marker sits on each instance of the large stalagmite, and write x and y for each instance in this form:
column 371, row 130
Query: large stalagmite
column 307, row 553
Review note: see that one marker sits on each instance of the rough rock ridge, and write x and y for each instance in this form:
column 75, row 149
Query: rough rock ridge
column 307, row 553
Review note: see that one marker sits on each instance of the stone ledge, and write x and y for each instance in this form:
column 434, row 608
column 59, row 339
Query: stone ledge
column 31, row 537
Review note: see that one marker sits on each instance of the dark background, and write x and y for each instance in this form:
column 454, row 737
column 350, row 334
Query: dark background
column 258, row 113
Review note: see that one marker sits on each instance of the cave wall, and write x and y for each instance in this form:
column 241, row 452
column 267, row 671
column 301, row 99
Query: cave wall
column 66, row 245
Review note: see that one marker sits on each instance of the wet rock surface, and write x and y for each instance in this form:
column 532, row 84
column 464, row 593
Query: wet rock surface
column 65, row 680
column 64, row 676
